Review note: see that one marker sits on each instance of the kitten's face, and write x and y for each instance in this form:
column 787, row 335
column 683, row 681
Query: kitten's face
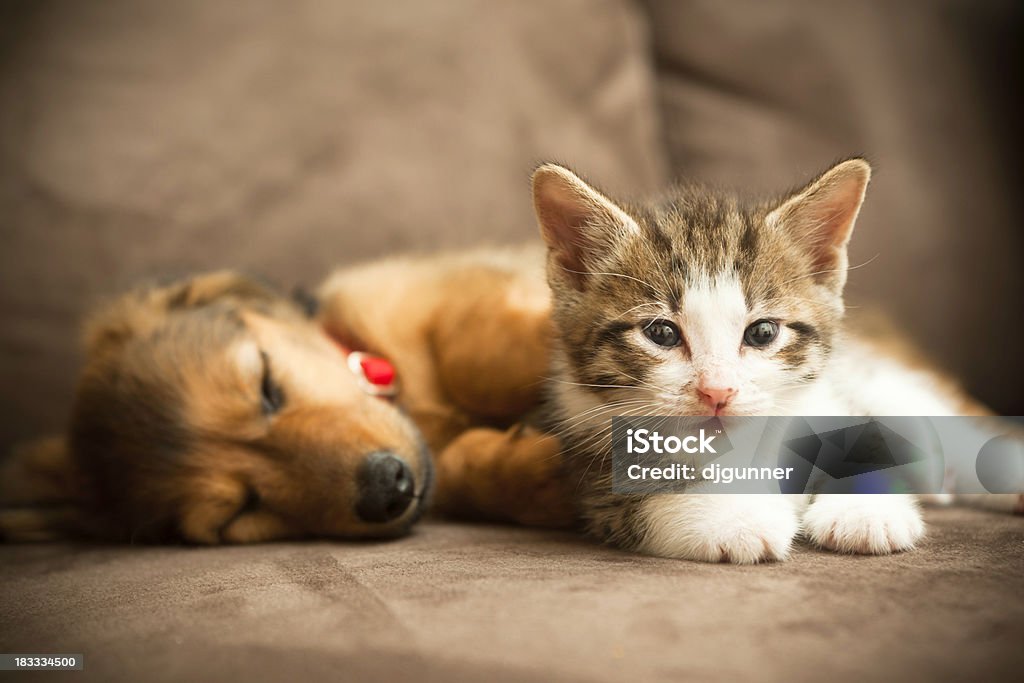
column 696, row 305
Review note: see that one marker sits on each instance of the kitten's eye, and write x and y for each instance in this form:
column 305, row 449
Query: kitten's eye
column 761, row 333
column 271, row 395
column 663, row 333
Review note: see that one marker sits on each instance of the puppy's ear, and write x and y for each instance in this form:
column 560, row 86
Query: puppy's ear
column 142, row 310
column 577, row 222
column 41, row 492
column 205, row 289
column 306, row 301
column 820, row 217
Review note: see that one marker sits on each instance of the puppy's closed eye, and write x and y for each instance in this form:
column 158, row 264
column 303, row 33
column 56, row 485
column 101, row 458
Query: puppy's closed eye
column 271, row 394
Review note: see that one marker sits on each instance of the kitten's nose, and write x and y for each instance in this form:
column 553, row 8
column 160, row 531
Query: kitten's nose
column 716, row 397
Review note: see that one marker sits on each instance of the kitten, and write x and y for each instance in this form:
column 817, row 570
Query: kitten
column 703, row 304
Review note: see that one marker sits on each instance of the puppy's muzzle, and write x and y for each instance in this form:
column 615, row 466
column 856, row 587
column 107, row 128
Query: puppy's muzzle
column 386, row 488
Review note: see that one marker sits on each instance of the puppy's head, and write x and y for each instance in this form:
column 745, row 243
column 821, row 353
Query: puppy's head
column 215, row 410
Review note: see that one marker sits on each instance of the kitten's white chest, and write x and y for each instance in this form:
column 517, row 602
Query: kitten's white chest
column 862, row 380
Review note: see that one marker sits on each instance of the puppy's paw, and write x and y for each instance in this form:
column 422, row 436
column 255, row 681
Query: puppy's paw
column 865, row 524
column 742, row 529
column 514, row 475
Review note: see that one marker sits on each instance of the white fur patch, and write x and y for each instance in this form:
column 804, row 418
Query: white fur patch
column 884, row 386
column 742, row 529
column 248, row 359
column 714, row 315
column 867, row 524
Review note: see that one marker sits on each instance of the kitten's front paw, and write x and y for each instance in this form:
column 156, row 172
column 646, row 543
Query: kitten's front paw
column 866, row 524
column 742, row 529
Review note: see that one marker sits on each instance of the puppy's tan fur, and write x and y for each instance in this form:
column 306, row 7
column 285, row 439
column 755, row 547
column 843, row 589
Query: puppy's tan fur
column 166, row 439
column 469, row 334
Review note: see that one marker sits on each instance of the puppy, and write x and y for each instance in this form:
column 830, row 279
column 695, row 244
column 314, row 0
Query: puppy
column 217, row 410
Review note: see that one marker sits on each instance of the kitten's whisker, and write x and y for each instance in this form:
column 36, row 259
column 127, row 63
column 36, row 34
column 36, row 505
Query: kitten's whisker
column 628, row 311
column 595, row 413
column 602, row 411
column 643, row 383
column 622, row 275
column 796, row 298
column 603, row 451
column 833, row 270
column 597, row 386
column 661, row 423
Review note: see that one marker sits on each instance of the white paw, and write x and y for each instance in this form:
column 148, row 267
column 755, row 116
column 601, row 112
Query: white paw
column 867, row 524
column 742, row 529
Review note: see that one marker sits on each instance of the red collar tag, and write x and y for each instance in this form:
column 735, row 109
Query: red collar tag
column 375, row 374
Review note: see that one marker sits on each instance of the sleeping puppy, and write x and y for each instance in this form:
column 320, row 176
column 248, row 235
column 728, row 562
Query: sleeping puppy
column 217, row 410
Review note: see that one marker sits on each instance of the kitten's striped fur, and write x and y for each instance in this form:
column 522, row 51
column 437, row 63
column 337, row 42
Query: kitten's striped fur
column 712, row 264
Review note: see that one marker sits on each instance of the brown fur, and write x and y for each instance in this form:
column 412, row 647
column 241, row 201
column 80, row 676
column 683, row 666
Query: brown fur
column 167, row 440
column 469, row 334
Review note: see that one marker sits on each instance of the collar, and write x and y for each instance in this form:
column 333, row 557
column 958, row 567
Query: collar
column 375, row 374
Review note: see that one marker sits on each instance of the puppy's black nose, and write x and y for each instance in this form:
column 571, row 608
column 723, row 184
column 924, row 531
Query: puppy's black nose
column 386, row 487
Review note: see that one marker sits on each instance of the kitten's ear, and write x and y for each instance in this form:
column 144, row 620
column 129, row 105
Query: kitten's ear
column 821, row 217
column 575, row 219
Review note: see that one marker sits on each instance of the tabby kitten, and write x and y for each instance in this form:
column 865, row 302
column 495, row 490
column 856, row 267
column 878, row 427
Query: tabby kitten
column 703, row 304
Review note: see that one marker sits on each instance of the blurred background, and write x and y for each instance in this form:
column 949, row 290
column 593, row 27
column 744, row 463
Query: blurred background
column 147, row 138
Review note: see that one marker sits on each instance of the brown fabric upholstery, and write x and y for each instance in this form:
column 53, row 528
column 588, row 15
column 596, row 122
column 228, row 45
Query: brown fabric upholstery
column 465, row 603
column 139, row 139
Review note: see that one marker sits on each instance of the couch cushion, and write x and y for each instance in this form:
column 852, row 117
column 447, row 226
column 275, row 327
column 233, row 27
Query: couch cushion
column 484, row 603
